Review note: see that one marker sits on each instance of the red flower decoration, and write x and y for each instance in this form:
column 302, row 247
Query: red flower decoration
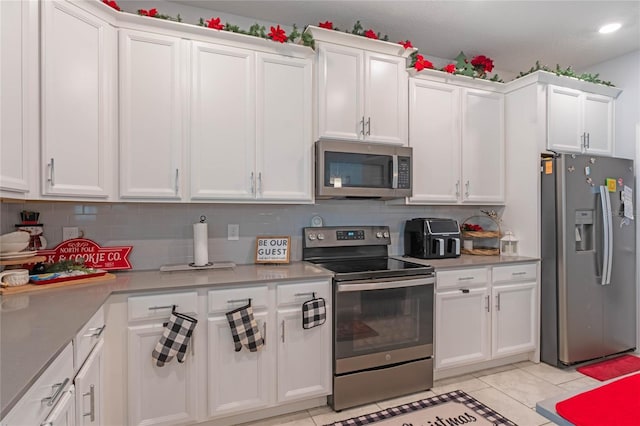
column 485, row 64
column 406, row 44
column 112, row 3
column 152, row 12
column 326, row 24
column 215, row 24
column 277, row 34
column 370, row 34
column 422, row 63
column 451, row 68
column 471, row 227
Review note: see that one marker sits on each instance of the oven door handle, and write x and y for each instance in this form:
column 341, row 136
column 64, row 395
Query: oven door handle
column 382, row 285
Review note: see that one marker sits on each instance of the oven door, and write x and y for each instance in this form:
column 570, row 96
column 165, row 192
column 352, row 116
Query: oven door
column 380, row 323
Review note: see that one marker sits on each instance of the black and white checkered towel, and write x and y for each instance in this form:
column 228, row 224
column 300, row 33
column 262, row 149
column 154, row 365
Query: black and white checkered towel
column 175, row 339
column 314, row 313
column 244, row 329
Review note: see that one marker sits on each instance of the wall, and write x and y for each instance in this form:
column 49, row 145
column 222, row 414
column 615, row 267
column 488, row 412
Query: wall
column 624, row 73
column 162, row 233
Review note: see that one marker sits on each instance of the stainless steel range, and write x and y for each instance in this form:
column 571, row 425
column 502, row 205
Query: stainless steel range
column 383, row 315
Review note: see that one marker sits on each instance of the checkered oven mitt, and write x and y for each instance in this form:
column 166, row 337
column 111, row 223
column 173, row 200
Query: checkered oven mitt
column 175, row 338
column 314, row 313
column 244, row 329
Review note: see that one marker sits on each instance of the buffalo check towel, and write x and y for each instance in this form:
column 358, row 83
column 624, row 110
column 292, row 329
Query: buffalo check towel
column 175, row 338
column 244, row 329
column 314, row 313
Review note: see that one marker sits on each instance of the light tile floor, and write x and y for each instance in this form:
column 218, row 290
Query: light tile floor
column 511, row 390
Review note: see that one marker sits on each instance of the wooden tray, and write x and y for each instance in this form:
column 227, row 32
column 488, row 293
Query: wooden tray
column 36, row 287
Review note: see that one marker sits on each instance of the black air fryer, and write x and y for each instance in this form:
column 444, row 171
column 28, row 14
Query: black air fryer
column 431, row 238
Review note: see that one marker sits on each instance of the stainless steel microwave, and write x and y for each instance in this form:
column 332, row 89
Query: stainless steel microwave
column 362, row 170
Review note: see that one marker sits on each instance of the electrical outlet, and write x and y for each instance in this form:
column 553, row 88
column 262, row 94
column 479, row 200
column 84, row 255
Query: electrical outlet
column 69, row 232
column 233, row 232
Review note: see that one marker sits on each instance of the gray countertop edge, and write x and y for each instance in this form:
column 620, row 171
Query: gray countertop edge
column 468, row 261
column 36, row 327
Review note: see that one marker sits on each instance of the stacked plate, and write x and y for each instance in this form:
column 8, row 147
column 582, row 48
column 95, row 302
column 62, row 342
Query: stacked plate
column 12, row 245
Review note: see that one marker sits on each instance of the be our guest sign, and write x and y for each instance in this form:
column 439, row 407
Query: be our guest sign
column 272, row 249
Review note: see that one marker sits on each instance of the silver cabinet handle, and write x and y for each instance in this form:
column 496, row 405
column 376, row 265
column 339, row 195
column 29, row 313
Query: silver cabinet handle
column 260, row 183
column 177, row 181
column 253, row 184
column 155, row 308
column 308, row 294
column 583, row 141
column 51, row 173
column 466, row 192
column 369, row 126
column 239, row 300
column 498, row 302
column 465, row 278
column 362, row 126
column 92, row 403
column 488, row 306
column 588, row 141
column 518, row 273
column 264, row 333
column 50, row 400
column 96, row 331
column 457, row 188
column 282, row 331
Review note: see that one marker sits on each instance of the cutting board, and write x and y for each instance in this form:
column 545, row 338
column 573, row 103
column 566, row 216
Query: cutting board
column 37, row 287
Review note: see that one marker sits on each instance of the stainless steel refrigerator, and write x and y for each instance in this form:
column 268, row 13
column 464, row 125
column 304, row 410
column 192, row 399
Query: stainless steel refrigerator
column 588, row 270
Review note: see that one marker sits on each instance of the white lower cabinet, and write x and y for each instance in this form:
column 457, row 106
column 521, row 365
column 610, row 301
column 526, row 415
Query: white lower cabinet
column 88, row 384
column 479, row 321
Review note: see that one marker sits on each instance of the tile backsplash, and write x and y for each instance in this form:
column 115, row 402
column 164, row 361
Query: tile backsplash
column 162, row 234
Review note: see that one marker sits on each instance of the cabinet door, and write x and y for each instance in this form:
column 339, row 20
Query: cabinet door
column 238, row 381
column 304, row 357
column 514, row 319
column 340, row 92
column 598, row 123
column 17, row 21
column 434, row 134
column 483, row 167
column 284, row 144
column 158, row 395
column 222, row 123
column 78, row 54
column 385, row 94
column 88, row 383
column 564, row 119
column 462, row 327
column 151, row 108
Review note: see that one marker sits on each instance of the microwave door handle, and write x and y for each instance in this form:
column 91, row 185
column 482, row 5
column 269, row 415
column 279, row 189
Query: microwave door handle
column 394, row 178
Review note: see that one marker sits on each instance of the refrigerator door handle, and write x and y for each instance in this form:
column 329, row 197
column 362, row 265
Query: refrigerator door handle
column 607, row 236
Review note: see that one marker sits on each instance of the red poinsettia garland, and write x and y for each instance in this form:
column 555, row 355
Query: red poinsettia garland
column 277, row 34
column 112, row 4
column 214, row 23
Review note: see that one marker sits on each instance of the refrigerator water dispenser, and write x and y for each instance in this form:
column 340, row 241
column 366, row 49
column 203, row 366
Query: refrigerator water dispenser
column 584, row 230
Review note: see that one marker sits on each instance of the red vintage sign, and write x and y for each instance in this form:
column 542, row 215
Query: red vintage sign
column 107, row 258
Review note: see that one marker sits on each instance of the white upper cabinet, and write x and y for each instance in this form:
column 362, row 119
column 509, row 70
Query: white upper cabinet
column 457, row 136
column 250, row 125
column 152, row 93
column 78, row 70
column 362, row 95
column 18, row 87
column 579, row 121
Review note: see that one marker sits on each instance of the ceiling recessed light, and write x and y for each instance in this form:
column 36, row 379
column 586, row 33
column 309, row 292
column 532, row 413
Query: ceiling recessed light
column 609, row 28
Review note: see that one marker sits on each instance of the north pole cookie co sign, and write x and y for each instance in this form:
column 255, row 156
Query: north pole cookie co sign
column 94, row 256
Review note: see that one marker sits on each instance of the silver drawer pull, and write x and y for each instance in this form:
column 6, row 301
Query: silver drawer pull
column 155, row 308
column 518, row 273
column 247, row 300
column 96, row 331
column 465, row 278
column 92, row 403
column 309, row 294
column 50, row 400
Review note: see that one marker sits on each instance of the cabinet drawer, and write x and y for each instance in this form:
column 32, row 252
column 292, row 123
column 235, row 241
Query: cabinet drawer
column 45, row 393
column 461, row 278
column 298, row 293
column 159, row 305
column 523, row 272
column 229, row 299
column 87, row 338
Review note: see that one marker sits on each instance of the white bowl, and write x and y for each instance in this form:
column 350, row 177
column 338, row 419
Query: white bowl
column 14, row 241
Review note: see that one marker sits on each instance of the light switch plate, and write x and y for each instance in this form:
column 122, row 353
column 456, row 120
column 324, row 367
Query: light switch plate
column 233, row 232
column 70, row 232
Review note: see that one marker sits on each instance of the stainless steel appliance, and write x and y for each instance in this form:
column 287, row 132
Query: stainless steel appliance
column 383, row 315
column 431, row 238
column 588, row 286
column 361, row 170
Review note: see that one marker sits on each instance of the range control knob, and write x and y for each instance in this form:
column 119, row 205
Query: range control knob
column 321, row 236
column 312, row 237
column 386, row 234
column 378, row 234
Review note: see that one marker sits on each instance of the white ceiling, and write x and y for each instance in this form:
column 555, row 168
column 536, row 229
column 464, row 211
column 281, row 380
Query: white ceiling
column 513, row 33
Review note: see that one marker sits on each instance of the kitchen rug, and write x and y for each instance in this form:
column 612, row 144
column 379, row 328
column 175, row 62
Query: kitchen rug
column 453, row 408
column 611, row 368
column 616, row 403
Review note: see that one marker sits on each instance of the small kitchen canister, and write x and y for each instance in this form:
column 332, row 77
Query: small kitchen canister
column 509, row 244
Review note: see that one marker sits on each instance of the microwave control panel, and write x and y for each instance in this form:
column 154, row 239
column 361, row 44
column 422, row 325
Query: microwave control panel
column 404, row 172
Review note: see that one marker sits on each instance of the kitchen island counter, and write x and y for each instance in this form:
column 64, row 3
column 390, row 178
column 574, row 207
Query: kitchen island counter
column 35, row 327
column 468, row 260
